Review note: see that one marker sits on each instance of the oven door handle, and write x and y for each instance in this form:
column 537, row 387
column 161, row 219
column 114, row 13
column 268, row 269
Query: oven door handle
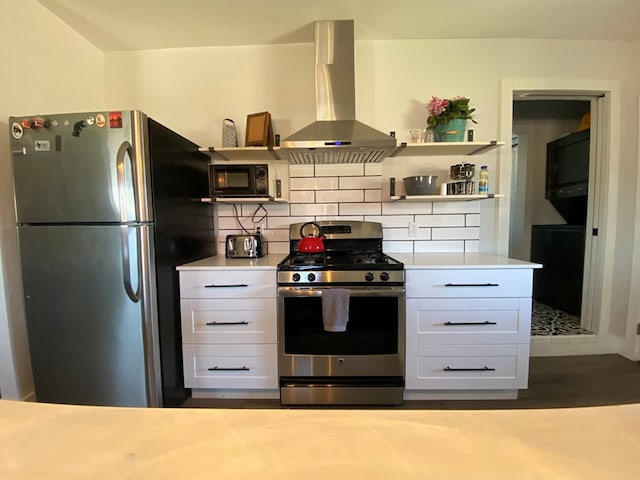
column 353, row 291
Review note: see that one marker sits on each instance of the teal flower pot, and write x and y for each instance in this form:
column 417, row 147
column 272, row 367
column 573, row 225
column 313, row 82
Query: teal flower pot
column 453, row 131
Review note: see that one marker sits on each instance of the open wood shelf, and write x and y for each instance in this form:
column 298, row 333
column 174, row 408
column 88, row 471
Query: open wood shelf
column 243, row 200
column 443, row 198
column 444, row 148
column 243, row 153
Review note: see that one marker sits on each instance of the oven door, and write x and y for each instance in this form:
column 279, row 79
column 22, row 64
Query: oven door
column 368, row 358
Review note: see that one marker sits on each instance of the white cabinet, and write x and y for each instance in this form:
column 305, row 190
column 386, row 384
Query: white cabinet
column 228, row 320
column 468, row 330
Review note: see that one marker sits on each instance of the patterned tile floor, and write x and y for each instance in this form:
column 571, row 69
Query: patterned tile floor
column 546, row 320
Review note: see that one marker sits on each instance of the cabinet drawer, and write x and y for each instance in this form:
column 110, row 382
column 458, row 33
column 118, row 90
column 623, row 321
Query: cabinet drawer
column 485, row 367
column 228, row 284
column 252, row 320
column 468, row 321
column 230, row 366
column 471, row 283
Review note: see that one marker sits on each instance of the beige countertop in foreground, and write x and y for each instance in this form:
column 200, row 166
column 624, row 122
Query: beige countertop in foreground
column 41, row 441
column 417, row 260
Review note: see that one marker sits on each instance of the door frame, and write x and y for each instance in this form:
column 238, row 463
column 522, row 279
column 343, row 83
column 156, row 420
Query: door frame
column 604, row 198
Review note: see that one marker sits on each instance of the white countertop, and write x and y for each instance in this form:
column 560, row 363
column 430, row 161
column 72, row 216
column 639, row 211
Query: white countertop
column 268, row 262
column 417, row 261
column 64, row 442
column 459, row 260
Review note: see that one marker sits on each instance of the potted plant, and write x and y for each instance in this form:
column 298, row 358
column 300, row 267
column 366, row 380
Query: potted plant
column 448, row 118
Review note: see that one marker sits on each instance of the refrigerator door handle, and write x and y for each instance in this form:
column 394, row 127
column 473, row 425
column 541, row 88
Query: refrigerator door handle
column 126, row 264
column 126, row 150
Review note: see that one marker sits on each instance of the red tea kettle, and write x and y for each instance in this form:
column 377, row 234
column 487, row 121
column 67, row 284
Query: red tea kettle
column 311, row 243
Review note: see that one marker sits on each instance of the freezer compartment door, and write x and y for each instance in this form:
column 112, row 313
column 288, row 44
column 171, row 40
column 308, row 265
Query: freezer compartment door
column 89, row 335
column 81, row 168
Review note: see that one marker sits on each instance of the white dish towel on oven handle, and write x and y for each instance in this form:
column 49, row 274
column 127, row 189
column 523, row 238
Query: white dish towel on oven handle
column 335, row 309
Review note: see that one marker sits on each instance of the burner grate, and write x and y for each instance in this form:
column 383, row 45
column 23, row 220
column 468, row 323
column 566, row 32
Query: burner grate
column 300, row 258
column 368, row 257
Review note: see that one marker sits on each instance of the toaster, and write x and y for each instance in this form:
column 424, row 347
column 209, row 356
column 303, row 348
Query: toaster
column 244, row 246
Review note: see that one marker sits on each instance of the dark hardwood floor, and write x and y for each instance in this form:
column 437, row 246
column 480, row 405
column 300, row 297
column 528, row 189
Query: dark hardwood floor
column 554, row 382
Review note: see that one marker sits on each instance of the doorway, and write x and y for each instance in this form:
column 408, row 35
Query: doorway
column 549, row 192
column 602, row 100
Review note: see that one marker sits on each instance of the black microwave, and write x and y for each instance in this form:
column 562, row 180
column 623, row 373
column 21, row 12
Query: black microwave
column 239, row 180
column 567, row 172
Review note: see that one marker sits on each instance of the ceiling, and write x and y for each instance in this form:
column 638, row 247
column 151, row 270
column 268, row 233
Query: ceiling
column 117, row 25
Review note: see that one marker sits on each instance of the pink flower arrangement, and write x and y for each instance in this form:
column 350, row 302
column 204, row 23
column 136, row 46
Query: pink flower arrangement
column 442, row 110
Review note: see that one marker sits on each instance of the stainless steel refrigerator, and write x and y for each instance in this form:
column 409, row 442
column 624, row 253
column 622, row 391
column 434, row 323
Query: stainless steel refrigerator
column 107, row 204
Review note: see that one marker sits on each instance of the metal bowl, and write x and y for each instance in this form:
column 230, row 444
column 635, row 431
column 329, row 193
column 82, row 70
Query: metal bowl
column 420, row 185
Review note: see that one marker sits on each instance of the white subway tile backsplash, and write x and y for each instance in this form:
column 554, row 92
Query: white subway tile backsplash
column 472, row 220
column 224, row 210
column 360, row 182
column 373, row 195
column 341, row 217
column 359, row 209
column 277, row 209
column 440, row 220
column 280, row 235
column 301, row 209
column 231, row 223
column 259, row 209
column 457, row 207
column 434, row 246
column 354, row 192
column 463, row 233
column 328, row 196
column 278, row 248
column 302, row 196
column 301, row 171
column 284, row 222
column 314, row 183
column 397, row 247
column 471, row 246
column 403, row 234
column 391, row 221
column 372, row 169
column 340, row 170
column 416, row 208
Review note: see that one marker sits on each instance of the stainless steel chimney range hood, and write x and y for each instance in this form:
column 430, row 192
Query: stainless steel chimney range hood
column 336, row 136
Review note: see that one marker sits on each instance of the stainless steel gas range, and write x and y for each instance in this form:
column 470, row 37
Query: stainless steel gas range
column 341, row 318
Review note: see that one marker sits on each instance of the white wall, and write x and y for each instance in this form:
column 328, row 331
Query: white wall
column 631, row 346
column 46, row 68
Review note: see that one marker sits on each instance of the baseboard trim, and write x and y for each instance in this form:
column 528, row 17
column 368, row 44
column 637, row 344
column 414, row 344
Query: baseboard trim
column 235, row 394
column 461, row 395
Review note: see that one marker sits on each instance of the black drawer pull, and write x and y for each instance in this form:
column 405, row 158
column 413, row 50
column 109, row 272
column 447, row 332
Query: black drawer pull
column 230, row 285
column 228, row 323
column 483, row 369
column 229, row 369
column 469, row 323
column 471, row 284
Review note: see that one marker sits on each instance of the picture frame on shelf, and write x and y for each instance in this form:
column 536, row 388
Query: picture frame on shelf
column 259, row 132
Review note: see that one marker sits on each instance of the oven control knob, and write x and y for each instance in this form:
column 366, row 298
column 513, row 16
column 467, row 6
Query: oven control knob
column 295, row 277
column 384, row 276
column 311, row 277
column 368, row 277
